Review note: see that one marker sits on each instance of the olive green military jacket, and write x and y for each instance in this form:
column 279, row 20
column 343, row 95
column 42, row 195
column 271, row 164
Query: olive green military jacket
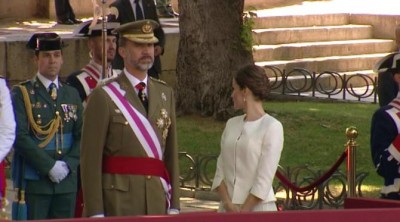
column 106, row 132
column 33, row 163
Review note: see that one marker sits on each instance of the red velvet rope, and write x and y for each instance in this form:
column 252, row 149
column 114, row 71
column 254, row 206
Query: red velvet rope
column 286, row 182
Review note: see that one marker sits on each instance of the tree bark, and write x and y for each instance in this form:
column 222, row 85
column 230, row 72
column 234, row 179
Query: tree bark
column 210, row 52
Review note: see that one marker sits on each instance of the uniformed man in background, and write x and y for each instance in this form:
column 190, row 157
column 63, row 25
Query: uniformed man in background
column 91, row 75
column 86, row 79
column 49, row 120
column 385, row 139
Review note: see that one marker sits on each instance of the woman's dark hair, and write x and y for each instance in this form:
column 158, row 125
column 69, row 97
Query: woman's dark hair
column 254, row 78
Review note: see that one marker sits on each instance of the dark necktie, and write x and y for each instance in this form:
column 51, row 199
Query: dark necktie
column 53, row 91
column 138, row 11
column 142, row 96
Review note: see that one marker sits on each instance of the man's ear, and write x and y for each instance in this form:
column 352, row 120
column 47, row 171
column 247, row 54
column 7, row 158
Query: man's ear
column 36, row 58
column 396, row 78
column 122, row 51
column 90, row 44
column 245, row 91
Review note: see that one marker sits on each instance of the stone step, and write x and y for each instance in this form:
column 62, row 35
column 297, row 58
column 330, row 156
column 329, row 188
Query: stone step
column 331, row 63
column 271, row 36
column 285, row 21
column 320, row 38
column 321, row 49
column 317, row 42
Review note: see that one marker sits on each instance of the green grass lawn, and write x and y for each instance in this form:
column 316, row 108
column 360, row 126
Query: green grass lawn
column 314, row 135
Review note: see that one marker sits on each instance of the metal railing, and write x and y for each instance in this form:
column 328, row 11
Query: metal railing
column 197, row 172
column 330, row 84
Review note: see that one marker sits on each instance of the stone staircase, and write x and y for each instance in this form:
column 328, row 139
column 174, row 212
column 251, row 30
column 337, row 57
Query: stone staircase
column 318, row 43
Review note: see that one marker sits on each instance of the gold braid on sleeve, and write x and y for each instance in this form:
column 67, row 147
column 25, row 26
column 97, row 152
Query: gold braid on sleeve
column 46, row 131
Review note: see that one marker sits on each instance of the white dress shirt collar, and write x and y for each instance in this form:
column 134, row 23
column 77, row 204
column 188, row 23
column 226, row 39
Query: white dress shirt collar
column 46, row 82
column 134, row 81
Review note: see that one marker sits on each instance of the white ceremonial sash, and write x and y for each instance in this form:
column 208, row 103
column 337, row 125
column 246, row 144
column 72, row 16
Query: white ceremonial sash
column 93, row 71
column 82, row 78
column 394, row 113
column 140, row 126
column 88, row 71
column 395, row 103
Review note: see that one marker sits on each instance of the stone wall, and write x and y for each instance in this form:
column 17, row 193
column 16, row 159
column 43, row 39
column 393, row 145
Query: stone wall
column 18, row 8
column 18, row 64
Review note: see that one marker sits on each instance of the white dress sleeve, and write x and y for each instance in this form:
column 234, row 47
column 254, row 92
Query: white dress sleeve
column 271, row 149
column 219, row 173
column 7, row 121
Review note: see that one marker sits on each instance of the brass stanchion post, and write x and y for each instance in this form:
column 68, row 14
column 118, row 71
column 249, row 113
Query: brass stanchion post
column 351, row 134
column 3, row 211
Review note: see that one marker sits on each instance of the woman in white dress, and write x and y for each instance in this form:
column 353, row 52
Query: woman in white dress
column 251, row 146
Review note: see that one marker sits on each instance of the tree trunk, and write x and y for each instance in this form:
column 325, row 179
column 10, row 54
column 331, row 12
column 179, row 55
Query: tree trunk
column 210, row 52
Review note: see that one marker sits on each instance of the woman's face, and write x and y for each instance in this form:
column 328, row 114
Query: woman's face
column 238, row 96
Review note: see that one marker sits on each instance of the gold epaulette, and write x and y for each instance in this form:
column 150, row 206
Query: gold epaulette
column 158, row 80
column 21, row 84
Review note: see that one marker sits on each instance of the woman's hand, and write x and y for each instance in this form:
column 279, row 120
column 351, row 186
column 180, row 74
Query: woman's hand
column 244, row 209
column 250, row 202
column 230, row 207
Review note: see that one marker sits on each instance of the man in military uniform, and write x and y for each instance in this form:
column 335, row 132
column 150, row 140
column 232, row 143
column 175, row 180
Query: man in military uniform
column 129, row 11
column 49, row 120
column 130, row 165
column 86, row 79
column 91, row 75
column 385, row 139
